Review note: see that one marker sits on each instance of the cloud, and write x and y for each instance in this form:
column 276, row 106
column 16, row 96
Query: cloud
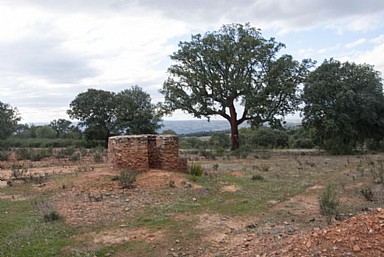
column 50, row 51
column 278, row 14
column 356, row 43
column 373, row 57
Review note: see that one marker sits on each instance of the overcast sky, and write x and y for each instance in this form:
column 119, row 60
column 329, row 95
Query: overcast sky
column 52, row 50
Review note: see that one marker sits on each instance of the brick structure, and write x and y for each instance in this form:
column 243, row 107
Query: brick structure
column 144, row 152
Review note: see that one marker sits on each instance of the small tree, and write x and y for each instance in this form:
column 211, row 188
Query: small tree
column 8, row 120
column 217, row 73
column 95, row 111
column 105, row 113
column 61, row 126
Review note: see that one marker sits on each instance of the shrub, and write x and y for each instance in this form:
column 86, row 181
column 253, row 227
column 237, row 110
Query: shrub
column 127, row 178
column 98, row 154
column 18, row 171
column 195, row 169
column 22, row 154
column 329, row 202
column 4, row 155
column 257, row 177
column 52, row 216
column 75, row 157
column 367, row 193
column 65, row 152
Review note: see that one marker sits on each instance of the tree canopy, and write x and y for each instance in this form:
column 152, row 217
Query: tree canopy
column 344, row 105
column 235, row 73
column 8, row 120
column 105, row 113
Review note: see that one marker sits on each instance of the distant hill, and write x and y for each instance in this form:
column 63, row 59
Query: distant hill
column 194, row 126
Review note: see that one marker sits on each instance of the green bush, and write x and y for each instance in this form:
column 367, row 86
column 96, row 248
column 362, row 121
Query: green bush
column 195, row 169
column 127, row 178
column 329, row 202
column 98, row 154
column 4, row 155
column 65, row 152
column 257, row 177
column 219, row 140
column 75, row 157
column 52, row 216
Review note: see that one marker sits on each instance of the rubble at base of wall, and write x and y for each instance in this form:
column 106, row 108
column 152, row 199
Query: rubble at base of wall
column 144, row 152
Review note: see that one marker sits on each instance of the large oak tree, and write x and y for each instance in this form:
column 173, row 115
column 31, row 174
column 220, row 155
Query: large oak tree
column 344, row 105
column 234, row 73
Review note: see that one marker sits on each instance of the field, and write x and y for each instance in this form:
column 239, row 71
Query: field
column 263, row 205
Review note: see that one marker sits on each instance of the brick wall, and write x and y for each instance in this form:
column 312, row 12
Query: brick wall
column 143, row 152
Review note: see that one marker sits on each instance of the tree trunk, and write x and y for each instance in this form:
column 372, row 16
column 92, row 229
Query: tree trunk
column 234, row 130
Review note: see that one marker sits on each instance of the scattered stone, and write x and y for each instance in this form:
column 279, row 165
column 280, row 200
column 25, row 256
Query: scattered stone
column 356, row 248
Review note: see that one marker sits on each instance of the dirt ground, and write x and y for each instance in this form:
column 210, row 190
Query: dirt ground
column 293, row 227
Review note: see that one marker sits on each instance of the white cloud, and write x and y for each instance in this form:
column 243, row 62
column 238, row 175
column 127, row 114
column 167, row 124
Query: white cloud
column 373, row 57
column 52, row 50
column 356, row 43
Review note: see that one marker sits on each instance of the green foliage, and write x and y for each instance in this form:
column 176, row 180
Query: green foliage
column 233, row 65
column 192, row 143
column 105, row 113
column 134, row 112
column 16, row 142
column 45, row 132
column 257, row 177
column 219, row 140
column 61, row 127
column 367, row 193
column 33, row 154
column 299, row 138
column 329, row 202
column 4, row 155
column 195, row 169
column 65, row 152
column 8, row 120
column 127, row 178
column 344, row 106
column 52, row 216
column 98, row 154
column 18, row 171
column 75, row 157
column 169, row 132
column 264, row 137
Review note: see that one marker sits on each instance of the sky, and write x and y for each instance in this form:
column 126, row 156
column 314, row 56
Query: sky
column 50, row 51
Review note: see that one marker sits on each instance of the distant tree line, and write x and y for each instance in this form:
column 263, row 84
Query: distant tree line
column 238, row 74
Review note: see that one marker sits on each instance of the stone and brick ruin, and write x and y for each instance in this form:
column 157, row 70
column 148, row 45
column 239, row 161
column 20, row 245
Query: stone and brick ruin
column 144, row 152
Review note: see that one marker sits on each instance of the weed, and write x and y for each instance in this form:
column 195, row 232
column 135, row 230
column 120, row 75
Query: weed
column 65, row 152
column 18, row 171
column 98, row 157
column 52, row 216
column 257, row 177
column 265, row 167
column 4, row 155
column 127, row 178
column 195, row 169
column 367, row 193
column 75, row 157
column 378, row 173
column 329, row 202
column 209, row 155
column 171, row 183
